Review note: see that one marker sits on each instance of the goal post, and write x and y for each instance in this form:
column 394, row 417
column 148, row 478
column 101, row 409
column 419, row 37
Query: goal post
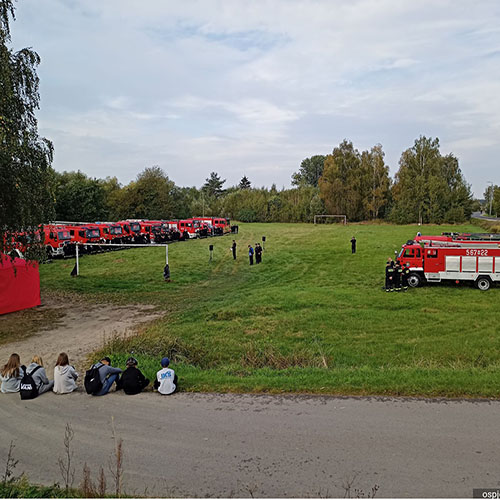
column 318, row 218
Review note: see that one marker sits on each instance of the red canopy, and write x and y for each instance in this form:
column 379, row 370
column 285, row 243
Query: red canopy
column 19, row 289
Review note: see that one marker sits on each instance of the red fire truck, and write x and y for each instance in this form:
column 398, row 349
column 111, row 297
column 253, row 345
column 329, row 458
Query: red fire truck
column 55, row 239
column 434, row 261
column 81, row 235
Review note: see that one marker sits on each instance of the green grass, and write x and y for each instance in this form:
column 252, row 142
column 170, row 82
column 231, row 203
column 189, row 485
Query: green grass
column 311, row 318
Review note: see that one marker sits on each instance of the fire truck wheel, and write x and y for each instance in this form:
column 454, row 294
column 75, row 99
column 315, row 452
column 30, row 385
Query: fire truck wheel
column 483, row 283
column 414, row 280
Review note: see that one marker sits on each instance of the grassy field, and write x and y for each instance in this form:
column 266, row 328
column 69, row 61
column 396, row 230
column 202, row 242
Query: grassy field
column 311, row 318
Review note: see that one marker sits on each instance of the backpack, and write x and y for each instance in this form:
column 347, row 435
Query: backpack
column 92, row 380
column 28, row 388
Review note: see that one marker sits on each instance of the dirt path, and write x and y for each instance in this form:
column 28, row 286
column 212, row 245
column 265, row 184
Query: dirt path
column 80, row 329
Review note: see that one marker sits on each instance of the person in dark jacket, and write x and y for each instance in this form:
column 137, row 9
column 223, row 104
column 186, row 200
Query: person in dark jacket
column 233, row 248
column 389, row 276
column 353, row 244
column 405, row 276
column 258, row 253
column 398, row 274
column 132, row 380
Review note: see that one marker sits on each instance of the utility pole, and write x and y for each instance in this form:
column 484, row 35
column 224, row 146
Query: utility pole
column 491, row 190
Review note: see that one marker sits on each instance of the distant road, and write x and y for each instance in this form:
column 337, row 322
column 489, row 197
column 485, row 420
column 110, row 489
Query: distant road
column 479, row 215
column 215, row 445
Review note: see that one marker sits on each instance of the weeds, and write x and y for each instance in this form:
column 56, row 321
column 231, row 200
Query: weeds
column 65, row 464
column 10, row 464
column 116, row 464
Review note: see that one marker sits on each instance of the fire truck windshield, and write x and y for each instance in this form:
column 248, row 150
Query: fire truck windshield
column 93, row 233
column 63, row 235
column 136, row 227
column 116, row 230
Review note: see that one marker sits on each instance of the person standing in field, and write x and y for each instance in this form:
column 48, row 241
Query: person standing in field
column 257, row 253
column 389, row 276
column 250, row 254
column 353, row 244
column 233, row 248
column 405, row 275
column 398, row 273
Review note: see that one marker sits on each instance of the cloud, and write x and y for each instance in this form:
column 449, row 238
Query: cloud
column 256, row 87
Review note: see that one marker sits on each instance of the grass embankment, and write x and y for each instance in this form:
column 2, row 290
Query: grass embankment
column 311, row 318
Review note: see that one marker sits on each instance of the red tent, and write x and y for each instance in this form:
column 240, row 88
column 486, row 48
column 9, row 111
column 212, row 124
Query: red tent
column 19, row 289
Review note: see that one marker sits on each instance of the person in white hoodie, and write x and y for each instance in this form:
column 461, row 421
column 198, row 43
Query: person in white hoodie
column 64, row 375
column 39, row 376
column 166, row 379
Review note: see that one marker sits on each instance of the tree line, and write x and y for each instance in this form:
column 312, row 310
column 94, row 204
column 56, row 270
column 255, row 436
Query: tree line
column 428, row 188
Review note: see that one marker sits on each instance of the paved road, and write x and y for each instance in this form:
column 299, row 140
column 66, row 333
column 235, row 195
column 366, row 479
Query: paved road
column 265, row 446
column 479, row 215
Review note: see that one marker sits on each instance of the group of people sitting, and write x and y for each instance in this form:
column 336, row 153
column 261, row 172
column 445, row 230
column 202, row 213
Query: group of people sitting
column 131, row 380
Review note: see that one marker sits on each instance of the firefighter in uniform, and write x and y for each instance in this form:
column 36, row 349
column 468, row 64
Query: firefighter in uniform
column 389, row 276
column 398, row 273
column 404, row 277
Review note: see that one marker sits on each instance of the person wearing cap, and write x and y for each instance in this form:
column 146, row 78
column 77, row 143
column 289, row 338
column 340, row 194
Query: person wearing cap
column 132, row 380
column 166, row 379
column 108, row 375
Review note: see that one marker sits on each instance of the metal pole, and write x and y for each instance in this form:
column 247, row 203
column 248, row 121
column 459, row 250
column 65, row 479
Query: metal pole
column 491, row 195
column 77, row 262
column 166, row 254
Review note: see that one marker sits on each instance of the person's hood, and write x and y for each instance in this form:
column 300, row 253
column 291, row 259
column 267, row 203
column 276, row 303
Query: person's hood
column 63, row 369
column 31, row 367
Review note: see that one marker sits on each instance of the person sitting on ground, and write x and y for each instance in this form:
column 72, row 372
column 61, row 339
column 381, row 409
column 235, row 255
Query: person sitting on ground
column 64, row 375
column 132, row 380
column 42, row 383
column 166, row 379
column 108, row 375
column 11, row 374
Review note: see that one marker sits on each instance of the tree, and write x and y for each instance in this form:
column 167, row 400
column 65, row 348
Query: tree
column 153, row 193
column 245, row 183
column 376, row 174
column 80, row 198
column 26, row 191
column 343, row 188
column 213, row 185
column 430, row 187
column 309, row 172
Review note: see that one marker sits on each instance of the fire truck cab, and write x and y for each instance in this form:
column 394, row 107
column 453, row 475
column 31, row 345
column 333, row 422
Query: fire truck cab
column 55, row 239
column 459, row 261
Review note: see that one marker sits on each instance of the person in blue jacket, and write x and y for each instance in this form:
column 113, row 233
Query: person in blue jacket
column 250, row 254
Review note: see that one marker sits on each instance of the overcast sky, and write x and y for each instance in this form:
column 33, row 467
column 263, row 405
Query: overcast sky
column 254, row 87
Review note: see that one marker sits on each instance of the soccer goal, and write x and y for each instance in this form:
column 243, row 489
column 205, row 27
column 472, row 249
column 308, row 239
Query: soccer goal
column 329, row 219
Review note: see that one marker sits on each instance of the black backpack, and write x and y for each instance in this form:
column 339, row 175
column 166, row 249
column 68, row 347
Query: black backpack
column 28, row 388
column 92, row 380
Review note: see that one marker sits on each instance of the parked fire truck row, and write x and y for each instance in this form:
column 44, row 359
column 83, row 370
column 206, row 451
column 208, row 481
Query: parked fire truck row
column 458, row 257
column 61, row 238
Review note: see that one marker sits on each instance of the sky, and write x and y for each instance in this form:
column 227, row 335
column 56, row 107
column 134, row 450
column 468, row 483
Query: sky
column 253, row 87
